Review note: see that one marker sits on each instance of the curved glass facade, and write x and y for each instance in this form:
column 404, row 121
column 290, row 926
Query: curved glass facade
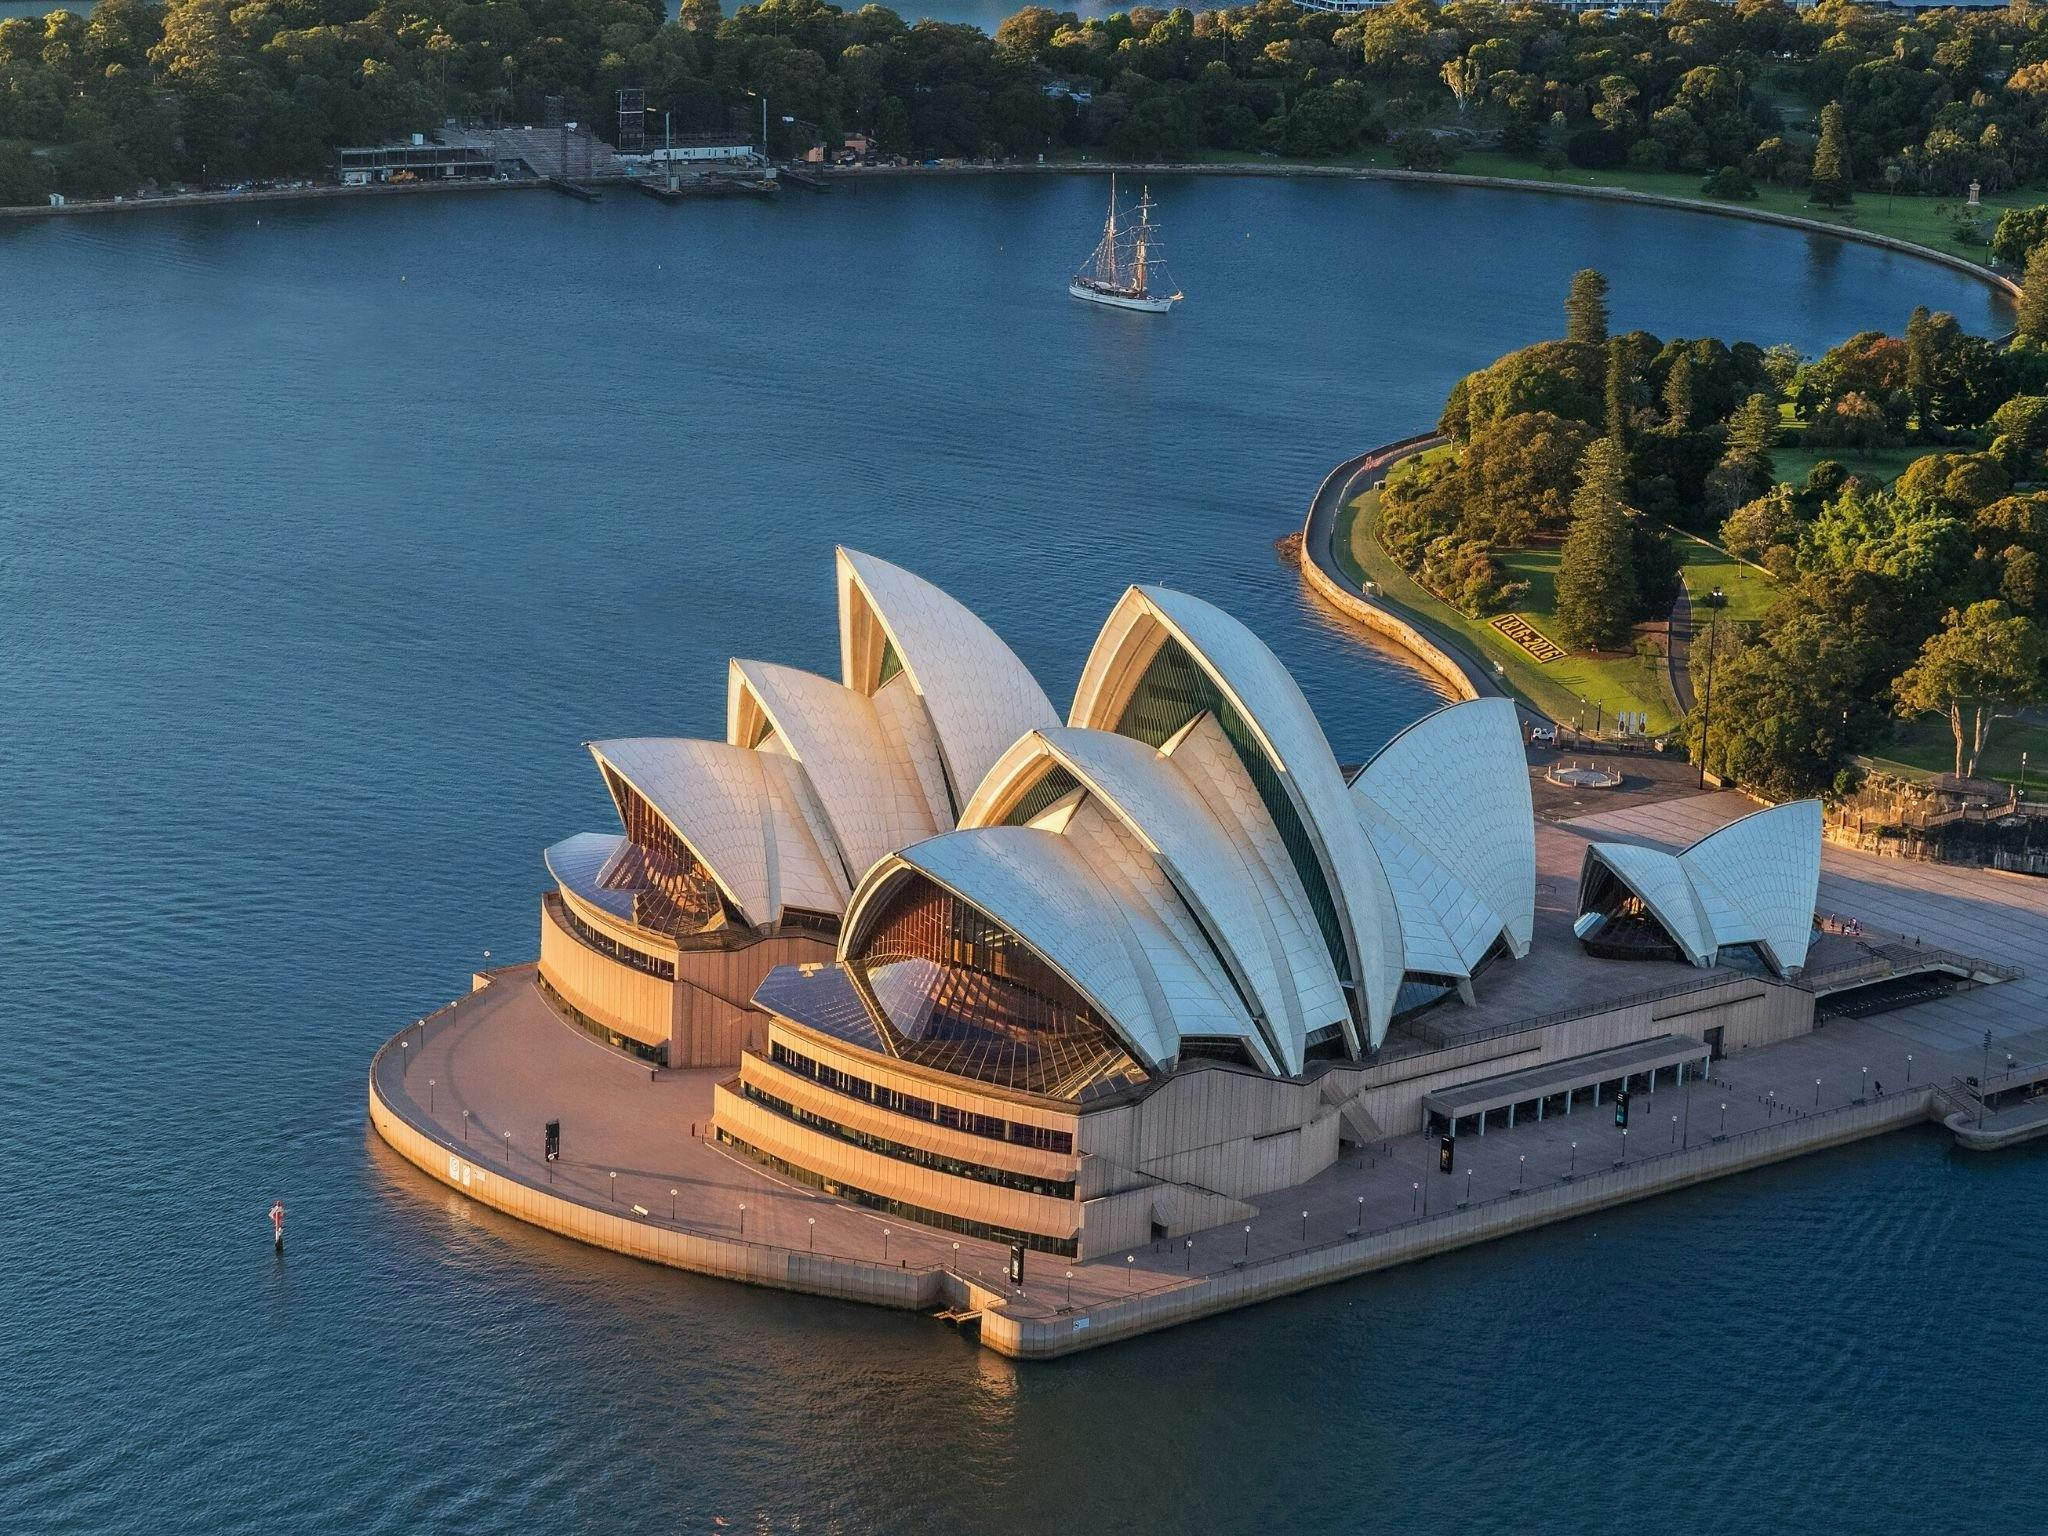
column 673, row 892
column 960, row 993
column 1173, row 691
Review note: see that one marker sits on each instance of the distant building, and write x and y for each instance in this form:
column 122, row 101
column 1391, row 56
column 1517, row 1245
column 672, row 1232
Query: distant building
column 416, row 161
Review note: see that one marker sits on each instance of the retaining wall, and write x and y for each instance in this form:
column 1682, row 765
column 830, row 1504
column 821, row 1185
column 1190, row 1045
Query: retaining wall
column 622, row 1232
column 1045, row 1338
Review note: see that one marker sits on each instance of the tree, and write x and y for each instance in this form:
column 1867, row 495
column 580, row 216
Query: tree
column 1621, row 392
column 1752, row 434
column 1519, row 477
column 1765, row 529
column 1830, row 185
column 2019, row 231
column 1681, row 397
column 1983, row 660
column 1920, row 363
column 1585, row 308
column 1778, row 706
column 1596, row 576
column 2033, row 310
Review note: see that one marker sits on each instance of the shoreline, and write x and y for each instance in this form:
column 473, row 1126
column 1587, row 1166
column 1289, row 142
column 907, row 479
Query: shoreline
column 960, row 1282
column 1996, row 281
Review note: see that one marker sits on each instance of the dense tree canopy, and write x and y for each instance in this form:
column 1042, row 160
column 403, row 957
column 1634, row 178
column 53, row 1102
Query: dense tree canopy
column 206, row 88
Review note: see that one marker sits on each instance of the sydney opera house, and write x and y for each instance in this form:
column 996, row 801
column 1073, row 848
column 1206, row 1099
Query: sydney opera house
column 1085, row 983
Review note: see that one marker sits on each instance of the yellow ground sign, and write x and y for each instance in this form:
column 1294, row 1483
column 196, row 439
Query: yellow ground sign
column 1529, row 637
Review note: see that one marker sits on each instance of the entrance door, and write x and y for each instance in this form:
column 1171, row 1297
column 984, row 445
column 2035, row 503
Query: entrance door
column 1715, row 1049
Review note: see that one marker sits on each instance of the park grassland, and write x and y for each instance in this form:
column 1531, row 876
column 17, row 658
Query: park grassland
column 1575, row 686
column 1924, row 748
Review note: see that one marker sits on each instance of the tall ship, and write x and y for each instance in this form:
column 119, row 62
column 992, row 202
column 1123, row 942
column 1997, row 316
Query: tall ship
column 1124, row 271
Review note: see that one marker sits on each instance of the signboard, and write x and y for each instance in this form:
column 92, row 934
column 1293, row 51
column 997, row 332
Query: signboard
column 1528, row 637
column 554, row 1141
column 1016, row 1263
column 1447, row 1155
column 1621, row 1109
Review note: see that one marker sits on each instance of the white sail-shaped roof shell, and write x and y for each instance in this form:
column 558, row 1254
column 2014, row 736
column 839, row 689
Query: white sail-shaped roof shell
column 1102, row 935
column 1752, row 882
column 748, row 817
column 1447, row 806
column 1214, row 868
column 862, row 773
column 1759, row 877
column 1264, row 694
column 979, row 697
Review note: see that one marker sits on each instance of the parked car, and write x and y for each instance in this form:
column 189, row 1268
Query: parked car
column 1542, row 736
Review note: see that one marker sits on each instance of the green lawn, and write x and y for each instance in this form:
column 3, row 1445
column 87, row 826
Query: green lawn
column 1750, row 592
column 1579, row 686
column 1926, row 220
column 1795, row 461
column 1925, row 746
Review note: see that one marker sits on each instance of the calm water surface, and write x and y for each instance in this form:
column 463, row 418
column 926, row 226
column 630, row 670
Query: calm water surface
column 326, row 535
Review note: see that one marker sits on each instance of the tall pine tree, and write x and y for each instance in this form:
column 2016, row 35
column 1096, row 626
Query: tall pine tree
column 1596, row 574
column 1585, row 309
column 1920, row 363
column 1621, row 393
column 1831, row 160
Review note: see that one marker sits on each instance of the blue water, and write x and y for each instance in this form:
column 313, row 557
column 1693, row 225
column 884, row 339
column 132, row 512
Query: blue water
column 326, row 534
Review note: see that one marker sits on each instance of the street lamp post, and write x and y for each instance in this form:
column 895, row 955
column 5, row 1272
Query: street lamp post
column 1569, row 1172
column 465, row 1127
column 430, row 1095
column 1361, row 1215
column 743, row 1218
column 1624, row 1144
column 1070, row 1290
column 1674, row 1130
column 1189, row 1267
column 814, row 1232
column 1247, row 1242
column 885, row 1245
column 1521, row 1171
column 671, row 1205
column 508, row 1149
column 614, row 1186
column 1816, row 1093
column 404, row 1057
column 1909, row 1069
column 1724, row 1117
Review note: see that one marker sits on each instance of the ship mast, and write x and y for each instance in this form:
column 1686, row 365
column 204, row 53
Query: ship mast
column 1107, row 265
column 1144, row 228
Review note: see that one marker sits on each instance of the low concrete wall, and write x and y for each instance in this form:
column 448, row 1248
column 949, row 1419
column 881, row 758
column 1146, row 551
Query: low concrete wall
column 1175, row 1303
column 727, row 1258
column 1464, row 677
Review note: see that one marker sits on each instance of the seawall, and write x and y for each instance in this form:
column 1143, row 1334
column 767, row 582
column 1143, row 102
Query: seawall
column 1045, row 1338
column 728, row 1258
column 1441, row 657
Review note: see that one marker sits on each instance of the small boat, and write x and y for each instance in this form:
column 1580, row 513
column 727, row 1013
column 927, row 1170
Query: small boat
column 1124, row 268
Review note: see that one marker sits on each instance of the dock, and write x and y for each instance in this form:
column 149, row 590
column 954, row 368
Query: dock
column 446, row 1093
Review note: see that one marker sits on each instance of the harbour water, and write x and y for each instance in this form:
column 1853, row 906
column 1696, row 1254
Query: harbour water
column 329, row 531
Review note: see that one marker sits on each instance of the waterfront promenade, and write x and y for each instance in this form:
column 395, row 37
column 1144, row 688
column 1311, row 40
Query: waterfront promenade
column 501, row 1061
